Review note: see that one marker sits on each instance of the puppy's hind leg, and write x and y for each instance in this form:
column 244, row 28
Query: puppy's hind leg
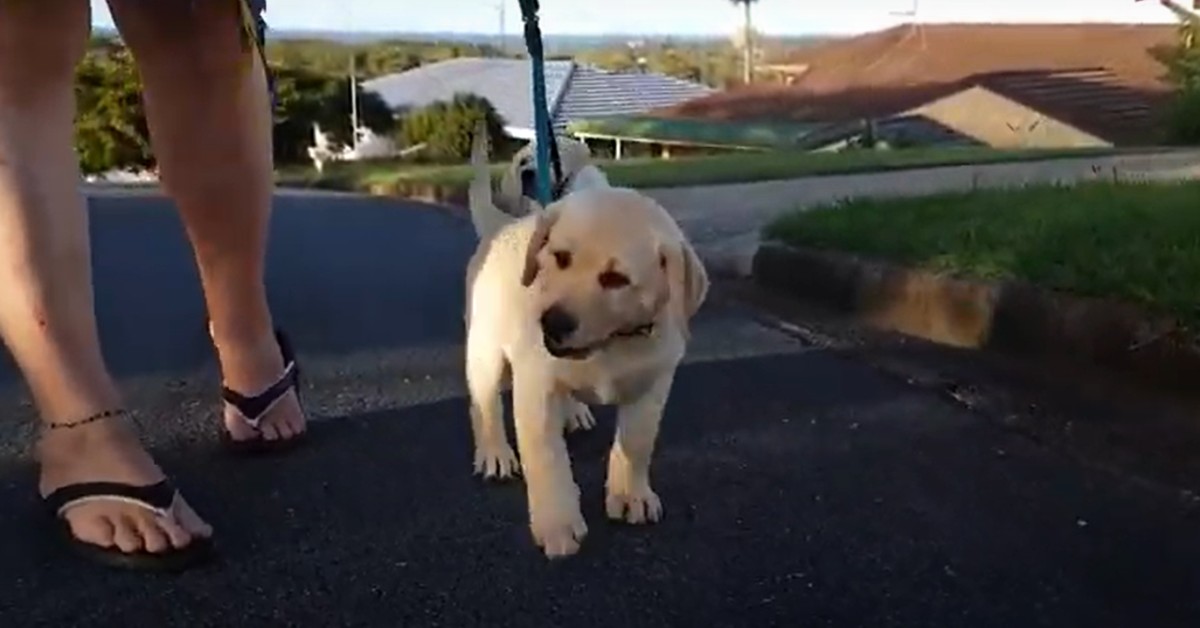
column 494, row 457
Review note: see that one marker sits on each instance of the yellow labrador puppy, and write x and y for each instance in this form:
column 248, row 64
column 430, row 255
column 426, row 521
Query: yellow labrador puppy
column 518, row 187
column 587, row 300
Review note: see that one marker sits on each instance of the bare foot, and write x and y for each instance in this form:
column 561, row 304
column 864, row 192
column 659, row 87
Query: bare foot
column 250, row 367
column 109, row 451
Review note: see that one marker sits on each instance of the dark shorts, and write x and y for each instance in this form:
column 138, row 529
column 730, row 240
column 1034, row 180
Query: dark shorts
column 257, row 7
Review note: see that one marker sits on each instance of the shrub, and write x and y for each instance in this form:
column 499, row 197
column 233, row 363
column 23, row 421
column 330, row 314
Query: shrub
column 1183, row 117
column 1182, row 62
column 110, row 126
column 446, row 127
column 304, row 97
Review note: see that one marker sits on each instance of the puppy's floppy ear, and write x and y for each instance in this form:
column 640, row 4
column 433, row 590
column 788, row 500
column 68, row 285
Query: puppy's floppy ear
column 575, row 155
column 687, row 281
column 537, row 242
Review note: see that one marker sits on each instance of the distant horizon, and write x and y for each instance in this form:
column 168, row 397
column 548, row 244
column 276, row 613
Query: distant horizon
column 477, row 36
column 677, row 18
column 518, row 34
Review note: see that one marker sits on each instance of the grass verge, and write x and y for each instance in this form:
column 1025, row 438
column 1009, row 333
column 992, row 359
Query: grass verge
column 709, row 170
column 1134, row 242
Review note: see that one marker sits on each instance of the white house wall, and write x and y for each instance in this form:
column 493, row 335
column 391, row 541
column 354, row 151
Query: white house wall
column 1001, row 122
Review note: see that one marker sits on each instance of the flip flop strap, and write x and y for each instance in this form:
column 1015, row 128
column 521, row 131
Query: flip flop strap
column 253, row 408
column 157, row 498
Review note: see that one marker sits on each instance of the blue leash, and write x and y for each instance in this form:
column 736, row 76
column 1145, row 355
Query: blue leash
column 547, row 147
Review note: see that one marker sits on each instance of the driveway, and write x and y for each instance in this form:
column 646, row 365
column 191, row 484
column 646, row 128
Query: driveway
column 802, row 488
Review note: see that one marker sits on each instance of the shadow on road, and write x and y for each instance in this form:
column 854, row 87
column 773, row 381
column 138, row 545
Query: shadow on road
column 799, row 489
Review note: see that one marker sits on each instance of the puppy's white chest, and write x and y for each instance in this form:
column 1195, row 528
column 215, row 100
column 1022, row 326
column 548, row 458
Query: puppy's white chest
column 602, row 394
column 605, row 391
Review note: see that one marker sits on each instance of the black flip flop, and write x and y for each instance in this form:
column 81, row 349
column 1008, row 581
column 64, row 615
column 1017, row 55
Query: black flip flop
column 251, row 409
column 157, row 498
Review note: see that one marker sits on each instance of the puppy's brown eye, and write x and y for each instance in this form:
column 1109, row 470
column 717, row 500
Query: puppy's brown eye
column 563, row 259
column 611, row 280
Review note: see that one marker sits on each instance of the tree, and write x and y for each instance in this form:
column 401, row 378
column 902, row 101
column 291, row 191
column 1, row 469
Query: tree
column 446, row 127
column 376, row 58
column 305, row 97
column 311, row 81
column 110, row 126
column 1183, row 71
column 748, row 43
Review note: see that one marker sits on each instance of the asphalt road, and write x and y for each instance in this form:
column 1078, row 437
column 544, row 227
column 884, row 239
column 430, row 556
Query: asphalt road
column 801, row 488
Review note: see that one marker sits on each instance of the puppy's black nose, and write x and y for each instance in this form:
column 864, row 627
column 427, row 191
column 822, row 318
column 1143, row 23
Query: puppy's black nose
column 558, row 324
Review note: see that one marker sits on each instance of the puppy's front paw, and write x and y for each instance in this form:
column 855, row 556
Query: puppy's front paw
column 579, row 417
column 558, row 534
column 637, row 506
column 497, row 463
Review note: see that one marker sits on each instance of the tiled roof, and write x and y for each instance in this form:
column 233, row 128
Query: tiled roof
column 596, row 93
column 506, row 83
column 1093, row 99
column 1102, row 78
column 945, row 53
column 573, row 92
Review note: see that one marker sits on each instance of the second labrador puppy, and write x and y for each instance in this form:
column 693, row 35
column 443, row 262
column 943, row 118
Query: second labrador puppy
column 588, row 300
column 518, row 187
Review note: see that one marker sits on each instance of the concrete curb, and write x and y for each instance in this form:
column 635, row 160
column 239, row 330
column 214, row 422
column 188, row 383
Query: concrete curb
column 728, row 257
column 1008, row 317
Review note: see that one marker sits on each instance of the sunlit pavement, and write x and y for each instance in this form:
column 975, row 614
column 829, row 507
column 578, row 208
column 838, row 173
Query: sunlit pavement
column 801, row 488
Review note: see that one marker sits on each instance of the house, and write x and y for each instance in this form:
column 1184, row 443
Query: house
column 574, row 91
column 1006, row 86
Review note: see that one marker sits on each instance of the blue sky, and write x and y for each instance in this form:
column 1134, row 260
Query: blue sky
column 690, row 17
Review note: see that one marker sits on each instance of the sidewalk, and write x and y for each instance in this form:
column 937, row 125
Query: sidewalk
column 724, row 220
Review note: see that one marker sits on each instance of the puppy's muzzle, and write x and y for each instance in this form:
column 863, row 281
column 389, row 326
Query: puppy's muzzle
column 557, row 327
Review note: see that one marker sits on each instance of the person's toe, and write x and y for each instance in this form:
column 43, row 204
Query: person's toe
column 154, row 537
column 282, row 426
column 94, row 529
column 191, row 522
column 294, row 418
column 239, row 429
column 127, row 537
column 177, row 535
column 270, row 431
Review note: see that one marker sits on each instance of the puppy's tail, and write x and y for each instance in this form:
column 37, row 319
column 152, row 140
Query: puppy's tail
column 487, row 218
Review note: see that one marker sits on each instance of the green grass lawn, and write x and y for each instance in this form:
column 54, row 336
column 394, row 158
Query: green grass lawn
column 1138, row 243
column 656, row 173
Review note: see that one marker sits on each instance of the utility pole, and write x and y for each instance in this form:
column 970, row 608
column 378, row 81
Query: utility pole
column 354, row 99
column 353, row 83
column 503, row 27
column 747, row 45
column 914, row 13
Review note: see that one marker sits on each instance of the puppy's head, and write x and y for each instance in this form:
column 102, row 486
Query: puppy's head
column 608, row 266
column 520, row 180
